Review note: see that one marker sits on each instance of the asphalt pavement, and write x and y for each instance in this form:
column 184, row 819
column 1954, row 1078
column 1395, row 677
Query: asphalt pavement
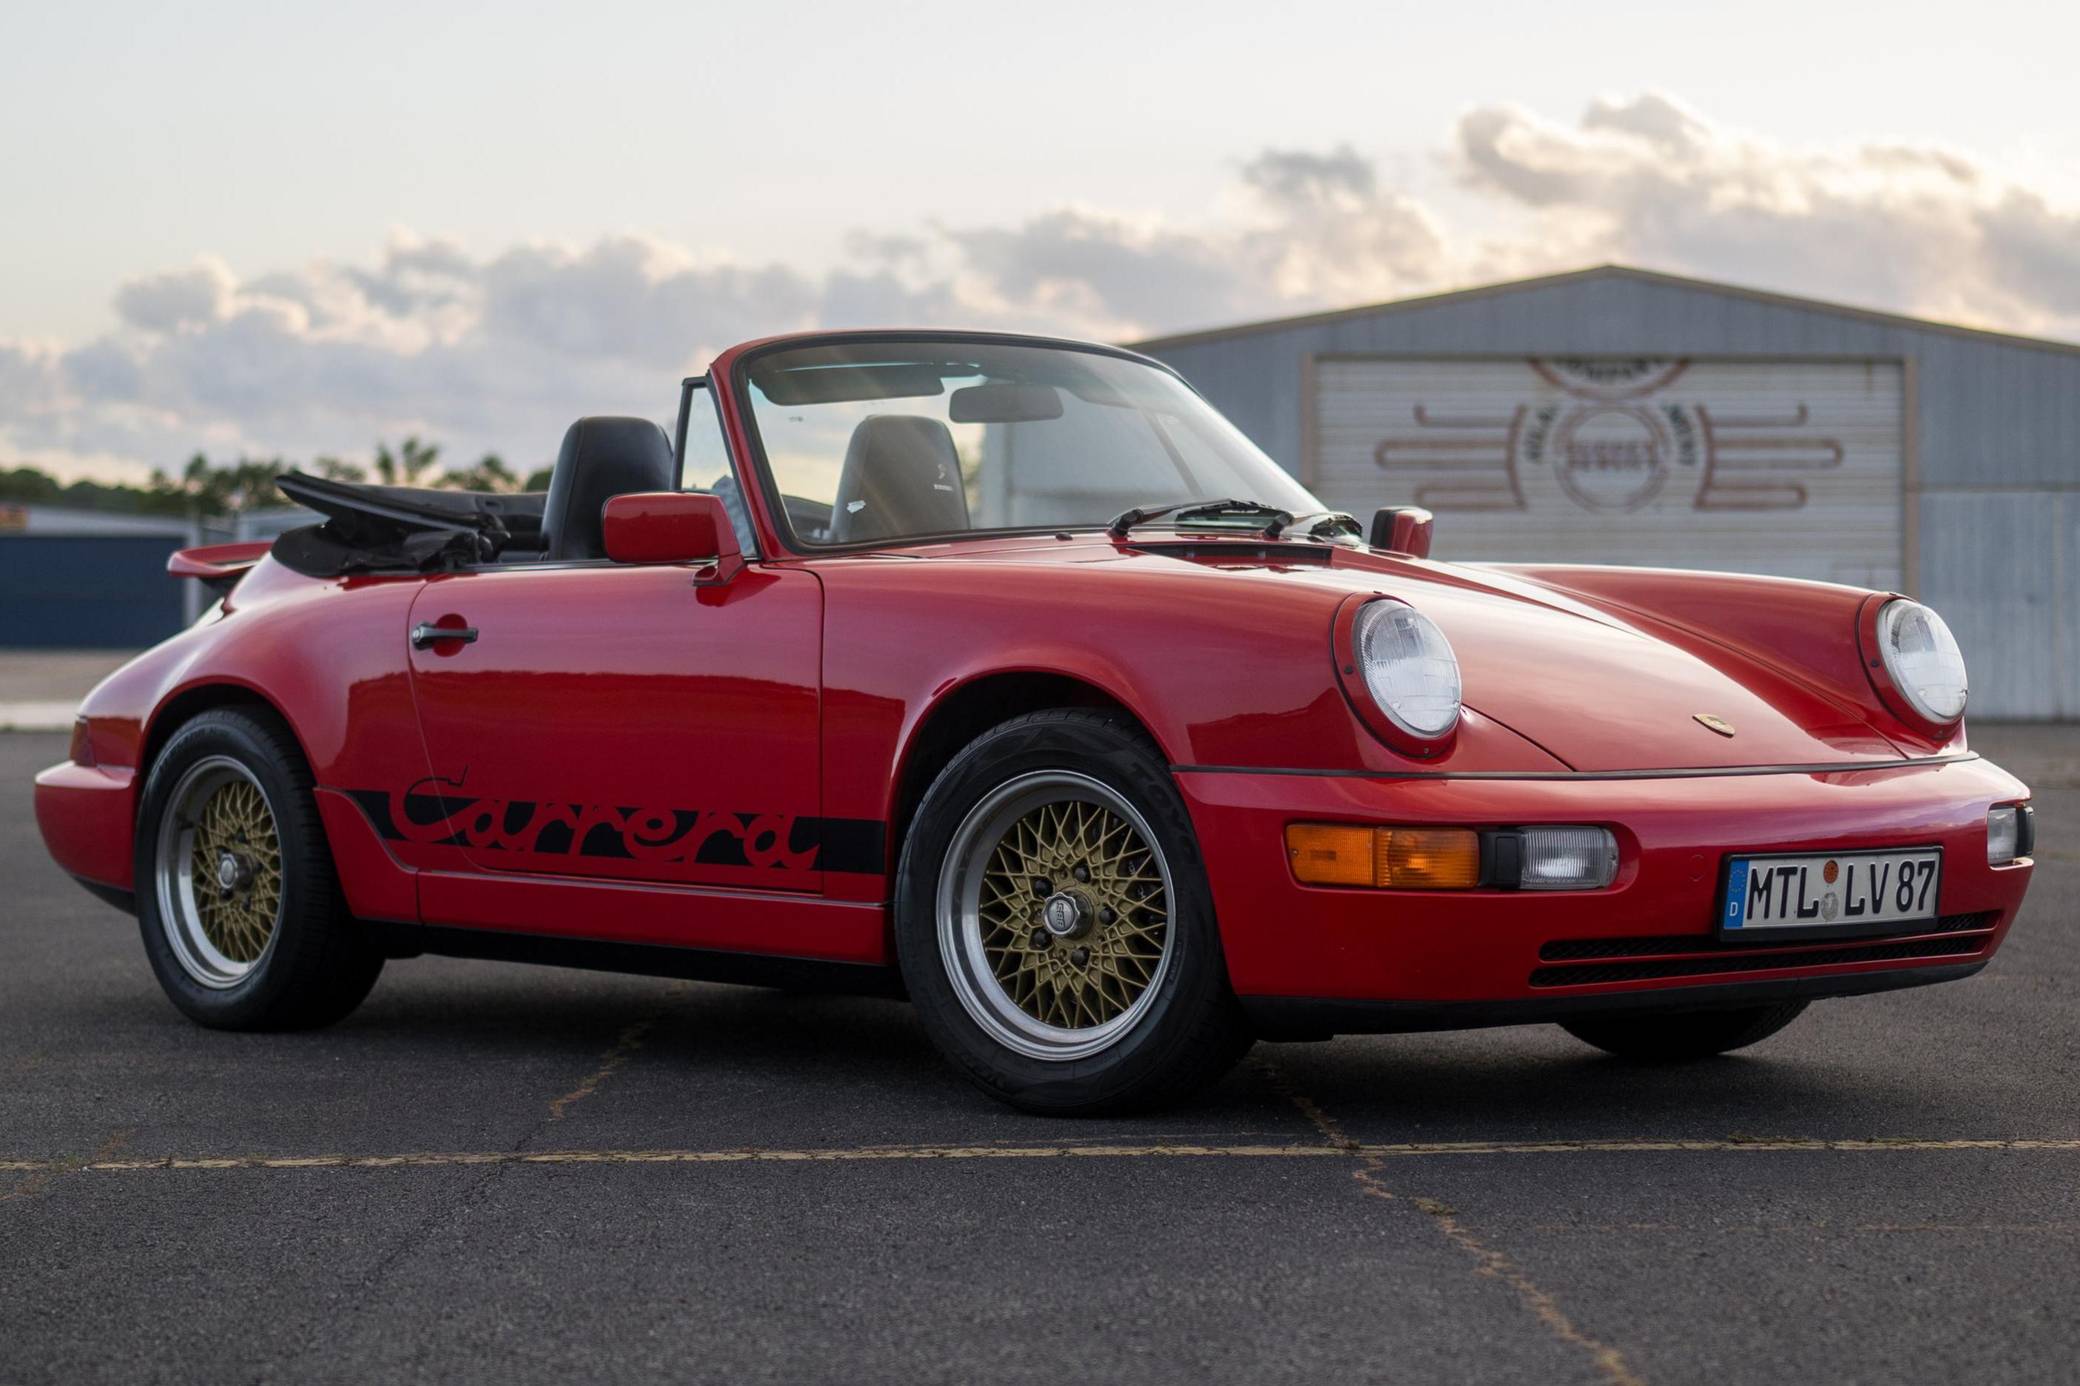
column 507, row 1174
column 40, row 690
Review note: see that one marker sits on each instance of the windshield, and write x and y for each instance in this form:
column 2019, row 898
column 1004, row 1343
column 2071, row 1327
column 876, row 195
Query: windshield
column 899, row 439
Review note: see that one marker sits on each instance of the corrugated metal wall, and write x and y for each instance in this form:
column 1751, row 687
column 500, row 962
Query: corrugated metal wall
column 1991, row 522
column 79, row 591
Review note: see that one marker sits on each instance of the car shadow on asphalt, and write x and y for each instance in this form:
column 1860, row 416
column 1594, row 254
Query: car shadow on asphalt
column 1484, row 1083
column 498, row 1025
column 1504, row 1084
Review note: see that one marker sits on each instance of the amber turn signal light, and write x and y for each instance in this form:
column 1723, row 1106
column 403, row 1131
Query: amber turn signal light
column 1341, row 854
column 1330, row 854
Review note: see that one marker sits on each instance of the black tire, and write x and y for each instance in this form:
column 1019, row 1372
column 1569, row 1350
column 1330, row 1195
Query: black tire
column 319, row 963
column 1666, row 1037
column 1191, row 1030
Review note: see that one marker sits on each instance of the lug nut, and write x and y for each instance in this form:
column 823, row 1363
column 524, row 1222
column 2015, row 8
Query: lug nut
column 1107, row 914
column 1081, row 873
column 1041, row 939
column 1080, row 956
column 1042, row 887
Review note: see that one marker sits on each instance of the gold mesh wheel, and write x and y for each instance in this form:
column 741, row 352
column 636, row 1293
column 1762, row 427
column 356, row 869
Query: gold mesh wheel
column 219, row 876
column 1054, row 915
column 1104, row 953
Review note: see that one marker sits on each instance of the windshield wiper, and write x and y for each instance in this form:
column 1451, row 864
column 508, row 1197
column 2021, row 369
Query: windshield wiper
column 1195, row 509
column 1315, row 523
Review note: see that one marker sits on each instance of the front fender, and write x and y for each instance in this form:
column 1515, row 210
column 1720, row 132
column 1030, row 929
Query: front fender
column 1219, row 674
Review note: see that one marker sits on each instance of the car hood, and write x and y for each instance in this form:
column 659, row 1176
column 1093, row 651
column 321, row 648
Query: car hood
column 1601, row 694
column 1597, row 692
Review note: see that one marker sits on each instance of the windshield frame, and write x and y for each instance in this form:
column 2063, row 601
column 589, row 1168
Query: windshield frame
column 755, row 460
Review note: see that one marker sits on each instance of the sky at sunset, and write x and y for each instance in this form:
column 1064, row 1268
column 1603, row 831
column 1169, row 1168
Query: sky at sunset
column 291, row 229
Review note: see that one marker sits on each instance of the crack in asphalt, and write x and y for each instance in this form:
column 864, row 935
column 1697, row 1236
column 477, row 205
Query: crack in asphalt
column 43, row 1173
column 611, row 1062
column 1489, row 1261
column 493, row 1164
column 624, row 1049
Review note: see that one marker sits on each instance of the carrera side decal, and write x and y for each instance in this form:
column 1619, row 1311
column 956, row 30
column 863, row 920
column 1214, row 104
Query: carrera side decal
column 709, row 837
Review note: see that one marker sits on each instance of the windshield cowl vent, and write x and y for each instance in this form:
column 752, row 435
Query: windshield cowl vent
column 1237, row 551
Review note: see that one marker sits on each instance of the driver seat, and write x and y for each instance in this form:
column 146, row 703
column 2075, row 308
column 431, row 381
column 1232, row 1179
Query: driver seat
column 602, row 457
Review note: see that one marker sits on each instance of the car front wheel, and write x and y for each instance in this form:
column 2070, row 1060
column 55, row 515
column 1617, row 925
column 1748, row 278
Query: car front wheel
column 1054, row 924
column 1672, row 1038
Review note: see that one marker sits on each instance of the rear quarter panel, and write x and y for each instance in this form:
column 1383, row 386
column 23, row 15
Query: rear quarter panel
column 328, row 656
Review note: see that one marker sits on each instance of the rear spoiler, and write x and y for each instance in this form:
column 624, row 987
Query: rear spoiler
column 219, row 566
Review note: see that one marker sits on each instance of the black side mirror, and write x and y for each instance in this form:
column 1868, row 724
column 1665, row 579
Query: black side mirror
column 1402, row 529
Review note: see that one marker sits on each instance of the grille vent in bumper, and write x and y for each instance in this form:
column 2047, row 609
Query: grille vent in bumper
column 1652, row 957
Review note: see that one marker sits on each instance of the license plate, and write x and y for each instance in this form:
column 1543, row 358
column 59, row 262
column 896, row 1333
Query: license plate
column 1832, row 894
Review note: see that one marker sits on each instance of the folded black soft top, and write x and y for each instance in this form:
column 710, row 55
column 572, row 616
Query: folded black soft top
column 403, row 528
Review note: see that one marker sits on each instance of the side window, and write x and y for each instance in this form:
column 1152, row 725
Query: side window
column 707, row 467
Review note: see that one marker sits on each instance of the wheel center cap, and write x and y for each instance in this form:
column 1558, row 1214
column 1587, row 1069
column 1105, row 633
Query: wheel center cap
column 231, row 872
column 1066, row 914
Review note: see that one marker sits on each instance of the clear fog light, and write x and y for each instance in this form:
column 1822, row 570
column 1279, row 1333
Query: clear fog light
column 1568, row 859
column 2008, row 833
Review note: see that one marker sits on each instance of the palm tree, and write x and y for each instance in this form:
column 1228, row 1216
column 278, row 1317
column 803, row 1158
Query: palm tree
column 210, row 490
column 412, row 460
column 251, row 483
column 491, row 474
column 332, row 469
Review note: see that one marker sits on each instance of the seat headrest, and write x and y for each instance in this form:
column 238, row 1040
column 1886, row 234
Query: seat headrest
column 602, row 457
column 901, row 476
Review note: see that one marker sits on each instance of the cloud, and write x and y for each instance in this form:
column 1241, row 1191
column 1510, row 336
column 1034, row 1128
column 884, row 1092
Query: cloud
column 1300, row 180
column 1919, row 229
column 1653, row 118
column 188, row 298
column 492, row 354
column 498, row 352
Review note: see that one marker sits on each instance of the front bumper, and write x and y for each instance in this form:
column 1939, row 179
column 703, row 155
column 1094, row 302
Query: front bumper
column 1431, row 960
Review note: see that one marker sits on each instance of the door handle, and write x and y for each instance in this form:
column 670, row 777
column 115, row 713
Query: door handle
column 427, row 633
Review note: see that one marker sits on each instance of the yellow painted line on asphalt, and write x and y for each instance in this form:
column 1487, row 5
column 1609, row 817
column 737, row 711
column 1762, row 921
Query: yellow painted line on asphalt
column 1777, row 1229
column 1731, row 1143
column 851, row 1154
column 692, row 1157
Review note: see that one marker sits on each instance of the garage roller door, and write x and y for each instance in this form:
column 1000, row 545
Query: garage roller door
column 1790, row 467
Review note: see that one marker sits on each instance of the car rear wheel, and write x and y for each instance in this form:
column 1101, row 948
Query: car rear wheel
column 1054, row 924
column 240, row 910
column 1672, row 1038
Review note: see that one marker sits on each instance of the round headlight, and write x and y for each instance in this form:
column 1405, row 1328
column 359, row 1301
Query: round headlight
column 1409, row 667
column 1922, row 657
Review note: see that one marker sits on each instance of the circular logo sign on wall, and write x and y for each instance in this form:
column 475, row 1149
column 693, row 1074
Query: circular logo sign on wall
column 1610, row 457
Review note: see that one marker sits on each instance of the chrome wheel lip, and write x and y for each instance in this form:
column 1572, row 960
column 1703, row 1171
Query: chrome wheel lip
column 180, row 918
column 959, row 909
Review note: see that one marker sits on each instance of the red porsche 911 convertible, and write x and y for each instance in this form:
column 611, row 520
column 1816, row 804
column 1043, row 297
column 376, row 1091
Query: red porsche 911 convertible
column 1005, row 674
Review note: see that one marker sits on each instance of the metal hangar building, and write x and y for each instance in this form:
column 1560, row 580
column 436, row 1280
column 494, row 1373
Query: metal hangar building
column 1614, row 415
